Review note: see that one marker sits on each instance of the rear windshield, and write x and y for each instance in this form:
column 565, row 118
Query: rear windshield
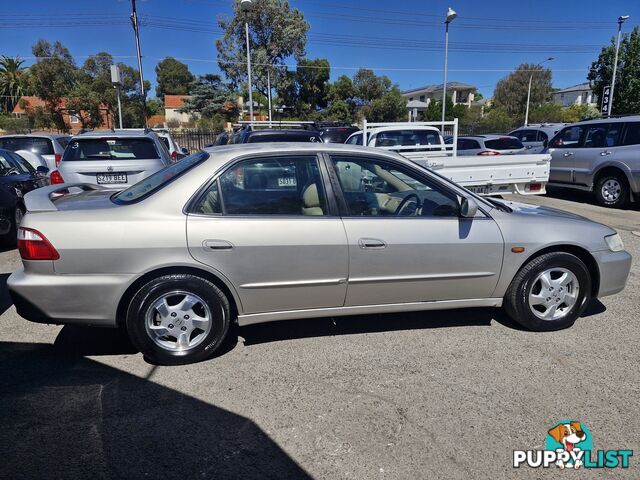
column 285, row 137
column 84, row 149
column 337, row 135
column 398, row 138
column 155, row 182
column 42, row 146
column 504, row 144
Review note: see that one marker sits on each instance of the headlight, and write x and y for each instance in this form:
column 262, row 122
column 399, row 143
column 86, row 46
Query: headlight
column 614, row 242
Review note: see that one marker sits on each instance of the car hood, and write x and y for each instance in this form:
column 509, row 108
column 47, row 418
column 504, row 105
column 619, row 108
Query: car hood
column 536, row 210
column 89, row 200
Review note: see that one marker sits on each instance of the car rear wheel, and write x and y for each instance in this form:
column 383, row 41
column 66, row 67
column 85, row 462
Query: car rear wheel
column 549, row 293
column 178, row 319
column 612, row 190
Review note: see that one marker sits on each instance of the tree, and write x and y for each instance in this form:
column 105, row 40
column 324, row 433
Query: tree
column 276, row 32
column 390, row 107
column 211, row 97
column 511, row 92
column 627, row 89
column 13, row 82
column 312, row 77
column 173, row 77
column 368, row 86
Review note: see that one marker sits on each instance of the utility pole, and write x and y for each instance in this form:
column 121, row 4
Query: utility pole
column 621, row 20
column 136, row 31
column 526, row 113
column 451, row 15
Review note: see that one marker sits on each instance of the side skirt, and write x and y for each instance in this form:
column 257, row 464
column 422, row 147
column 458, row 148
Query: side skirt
column 367, row 309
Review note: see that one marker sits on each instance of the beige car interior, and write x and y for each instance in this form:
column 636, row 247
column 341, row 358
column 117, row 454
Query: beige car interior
column 311, row 200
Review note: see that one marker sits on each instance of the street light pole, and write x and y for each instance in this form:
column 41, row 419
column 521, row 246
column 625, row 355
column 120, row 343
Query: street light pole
column 621, row 20
column 245, row 6
column 526, row 114
column 451, row 15
column 136, row 31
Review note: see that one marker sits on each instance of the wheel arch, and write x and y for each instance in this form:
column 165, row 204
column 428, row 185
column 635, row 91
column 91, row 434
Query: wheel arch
column 582, row 253
column 125, row 300
column 614, row 168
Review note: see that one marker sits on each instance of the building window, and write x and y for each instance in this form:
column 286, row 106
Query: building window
column 422, row 98
column 73, row 118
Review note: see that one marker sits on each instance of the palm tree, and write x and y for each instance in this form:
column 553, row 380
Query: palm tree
column 12, row 82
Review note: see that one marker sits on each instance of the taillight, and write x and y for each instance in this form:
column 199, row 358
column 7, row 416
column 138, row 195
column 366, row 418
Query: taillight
column 58, row 157
column 488, row 153
column 174, row 156
column 535, row 187
column 56, row 178
column 32, row 245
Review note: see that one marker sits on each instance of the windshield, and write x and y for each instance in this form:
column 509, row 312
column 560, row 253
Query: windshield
column 155, row 182
column 84, row 149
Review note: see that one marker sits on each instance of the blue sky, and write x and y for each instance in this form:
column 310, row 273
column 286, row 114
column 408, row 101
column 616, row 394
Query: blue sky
column 401, row 39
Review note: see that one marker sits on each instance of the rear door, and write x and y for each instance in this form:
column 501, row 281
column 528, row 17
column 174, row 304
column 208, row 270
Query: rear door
column 270, row 226
column 563, row 148
column 598, row 148
column 112, row 162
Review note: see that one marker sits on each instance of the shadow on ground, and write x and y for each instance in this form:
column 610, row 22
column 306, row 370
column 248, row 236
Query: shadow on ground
column 580, row 196
column 65, row 416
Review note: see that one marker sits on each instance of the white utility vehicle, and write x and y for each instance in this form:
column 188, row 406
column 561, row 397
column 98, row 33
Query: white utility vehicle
column 423, row 143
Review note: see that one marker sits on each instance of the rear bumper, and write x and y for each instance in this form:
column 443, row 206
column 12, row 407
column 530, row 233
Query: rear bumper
column 614, row 271
column 68, row 299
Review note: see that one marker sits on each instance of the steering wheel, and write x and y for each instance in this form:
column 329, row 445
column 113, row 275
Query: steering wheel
column 405, row 202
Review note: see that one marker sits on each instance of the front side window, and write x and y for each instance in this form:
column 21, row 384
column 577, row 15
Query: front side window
column 375, row 188
column 288, row 185
column 86, row 149
column 568, row 138
column 355, row 139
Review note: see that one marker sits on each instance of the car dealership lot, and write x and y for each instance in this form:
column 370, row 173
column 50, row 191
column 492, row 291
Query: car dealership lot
column 421, row 395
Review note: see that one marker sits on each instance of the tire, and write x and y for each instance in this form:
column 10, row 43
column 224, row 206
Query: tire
column 612, row 190
column 530, row 301
column 166, row 319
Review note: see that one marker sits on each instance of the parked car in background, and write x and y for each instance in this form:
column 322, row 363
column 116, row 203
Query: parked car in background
column 535, row 137
column 259, row 233
column 601, row 156
column 250, row 135
column 114, row 158
column 35, row 159
column 175, row 151
column 221, row 139
column 488, row 145
column 337, row 134
column 401, row 136
column 51, row 147
column 17, row 177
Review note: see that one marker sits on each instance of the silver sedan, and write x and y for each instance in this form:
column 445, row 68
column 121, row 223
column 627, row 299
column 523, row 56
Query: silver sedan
column 256, row 233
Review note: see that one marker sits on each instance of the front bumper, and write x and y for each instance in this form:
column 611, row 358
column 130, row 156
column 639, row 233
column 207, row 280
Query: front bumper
column 614, row 270
column 68, row 299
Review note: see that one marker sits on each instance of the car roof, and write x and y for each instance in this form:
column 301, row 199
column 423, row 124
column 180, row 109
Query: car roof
column 227, row 152
column 133, row 133
column 274, row 132
column 624, row 118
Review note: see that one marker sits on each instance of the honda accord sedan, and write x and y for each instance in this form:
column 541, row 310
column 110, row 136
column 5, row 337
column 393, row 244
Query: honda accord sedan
column 261, row 232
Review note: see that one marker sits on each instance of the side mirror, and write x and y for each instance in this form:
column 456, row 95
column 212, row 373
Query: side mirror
column 469, row 208
column 42, row 171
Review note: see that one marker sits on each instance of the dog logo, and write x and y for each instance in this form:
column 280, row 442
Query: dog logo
column 568, row 435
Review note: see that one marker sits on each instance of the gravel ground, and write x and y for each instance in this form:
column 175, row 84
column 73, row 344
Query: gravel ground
column 422, row 395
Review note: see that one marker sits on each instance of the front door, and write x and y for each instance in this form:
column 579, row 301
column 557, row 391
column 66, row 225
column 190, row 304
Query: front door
column 407, row 242
column 265, row 224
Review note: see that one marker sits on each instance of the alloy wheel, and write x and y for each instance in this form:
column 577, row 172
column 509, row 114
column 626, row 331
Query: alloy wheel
column 611, row 190
column 553, row 293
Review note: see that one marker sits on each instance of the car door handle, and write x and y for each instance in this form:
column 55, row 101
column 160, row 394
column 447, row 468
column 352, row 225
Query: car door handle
column 371, row 243
column 217, row 245
column 605, row 153
column 567, row 154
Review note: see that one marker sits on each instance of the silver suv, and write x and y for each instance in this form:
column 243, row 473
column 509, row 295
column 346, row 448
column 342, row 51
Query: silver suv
column 115, row 158
column 602, row 156
column 535, row 137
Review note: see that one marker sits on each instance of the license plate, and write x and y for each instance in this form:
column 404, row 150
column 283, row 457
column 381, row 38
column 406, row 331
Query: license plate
column 483, row 190
column 111, row 177
column 287, row 182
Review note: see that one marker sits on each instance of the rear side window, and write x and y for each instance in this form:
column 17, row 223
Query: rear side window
column 336, row 135
column 86, row 149
column 155, row 182
column 42, row 146
column 632, row 134
column 504, row 144
column 526, row 135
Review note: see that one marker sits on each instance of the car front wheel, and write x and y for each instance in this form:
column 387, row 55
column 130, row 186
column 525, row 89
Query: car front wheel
column 550, row 292
column 178, row 319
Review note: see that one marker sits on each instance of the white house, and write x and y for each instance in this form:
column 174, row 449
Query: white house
column 459, row 93
column 576, row 95
column 171, row 105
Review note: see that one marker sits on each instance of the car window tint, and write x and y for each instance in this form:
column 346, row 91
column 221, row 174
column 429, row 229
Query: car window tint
column 63, row 141
column 596, row 136
column 467, row 144
column 5, row 164
column 614, row 134
column 86, row 149
column 288, row 185
column 632, row 134
column 375, row 188
column 209, row 203
column 404, row 138
column 165, row 142
column 42, row 146
column 355, row 139
column 22, row 165
column 505, row 143
column 568, row 138
column 156, row 181
column 527, row 135
column 336, row 135
column 542, row 136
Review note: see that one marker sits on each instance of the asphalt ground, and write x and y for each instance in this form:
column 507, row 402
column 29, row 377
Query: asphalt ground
column 402, row 396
